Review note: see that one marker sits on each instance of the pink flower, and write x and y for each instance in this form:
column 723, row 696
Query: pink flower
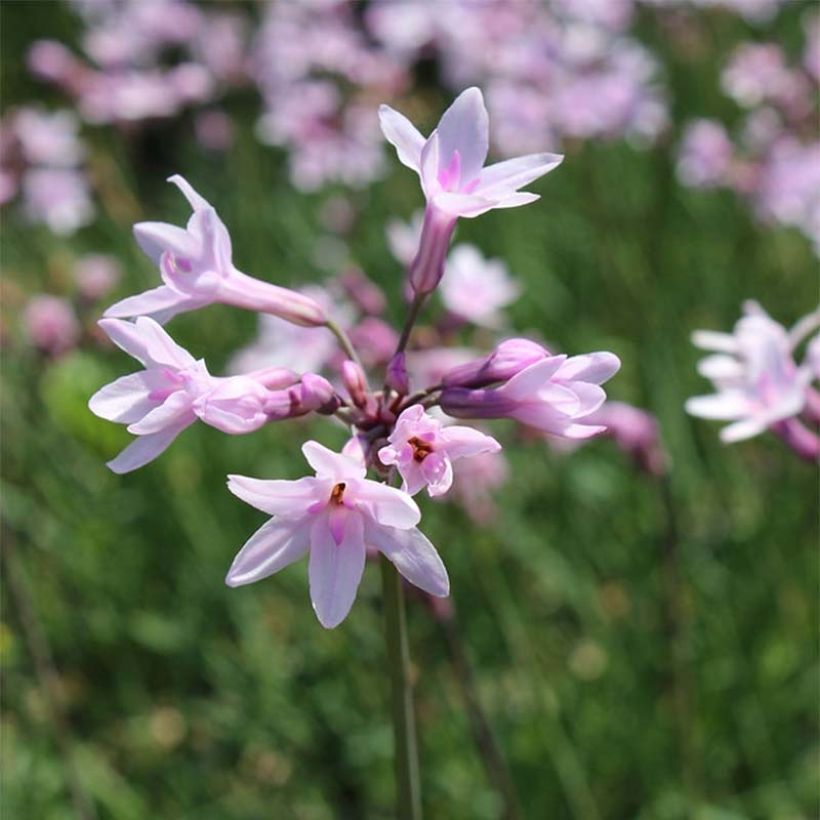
column 175, row 389
column 424, row 450
column 95, row 274
column 335, row 516
column 705, row 154
column 554, row 395
column 635, row 431
column 197, row 269
column 475, row 288
column 450, row 164
column 51, row 324
column 58, row 197
column 754, row 373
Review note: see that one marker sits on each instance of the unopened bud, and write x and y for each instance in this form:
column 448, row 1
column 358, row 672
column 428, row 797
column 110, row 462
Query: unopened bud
column 397, row 378
column 508, row 358
column 355, row 382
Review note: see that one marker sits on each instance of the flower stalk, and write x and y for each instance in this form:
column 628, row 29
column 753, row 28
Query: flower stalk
column 406, row 759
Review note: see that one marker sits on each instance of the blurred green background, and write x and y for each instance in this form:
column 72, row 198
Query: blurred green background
column 631, row 666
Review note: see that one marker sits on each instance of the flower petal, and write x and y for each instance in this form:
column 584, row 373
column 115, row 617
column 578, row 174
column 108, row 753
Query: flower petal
column 465, row 205
column 512, row 174
column 160, row 347
column 403, row 135
column 595, row 368
column 272, row 547
column 328, row 464
column 124, row 400
column 145, row 449
column 725, row 406
column 162, row 304
column 288, row 499
column 465, row 127
column 197, row 202
column 741, row 430
column 335, row 571
column 525, row 383
column 168, row 414
column 461, row 442
column 387, row 505
column 411, row 552
column 156, row 237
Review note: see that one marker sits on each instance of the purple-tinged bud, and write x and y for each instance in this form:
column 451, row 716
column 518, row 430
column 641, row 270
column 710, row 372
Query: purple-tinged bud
column 462, row 403
column 355, row 382
column 274, row 378
column 427, row 266
column 318, row 394
column 363, row 292
column 802, row 441
column 508, row 358
column 397, row 378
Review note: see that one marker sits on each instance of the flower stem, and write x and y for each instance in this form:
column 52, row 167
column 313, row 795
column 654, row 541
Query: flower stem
column 408, row 790
column 412, row 315
column 344, row 341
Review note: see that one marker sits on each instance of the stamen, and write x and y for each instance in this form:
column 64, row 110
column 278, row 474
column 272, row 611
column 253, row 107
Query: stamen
column 337, row 493
column 421, row 449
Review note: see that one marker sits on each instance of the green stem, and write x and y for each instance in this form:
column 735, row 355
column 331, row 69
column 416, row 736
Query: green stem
column 412, row 315
column 408, row 790
column 344, row 341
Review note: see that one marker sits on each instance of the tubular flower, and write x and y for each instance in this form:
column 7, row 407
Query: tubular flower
column 754, row 373
column 174, row 391
column 196, row 266
column 335, row 516
column 424, row 450
column 554, row 395
column 450, row 164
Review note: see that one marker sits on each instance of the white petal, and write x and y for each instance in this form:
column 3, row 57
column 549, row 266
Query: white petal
column 466, row 205
column 289, row 499
column 144, row 449
column 328, row 464
column 741, row 430
column 160, row 303
column 720, row 406
column 512, row 174
column 464, row 127
column 197, row 202
column 463, row 442
column 411, row 552
column 154, row 238
column 124, row 400
column 335, row 570
column 714, row 340
column 168, row 414
column 272, row 547
column 402, row 134
column 161, row 348
column 387, row 505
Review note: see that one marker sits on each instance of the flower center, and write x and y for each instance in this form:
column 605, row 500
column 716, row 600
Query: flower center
column 421, row 449
column 337, row 493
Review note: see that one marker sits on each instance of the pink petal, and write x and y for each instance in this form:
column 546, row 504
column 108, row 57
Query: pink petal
column 387, row 505
column 289, row 499
column 126, row 337
column 465, row 205
column 197, row 202
column 272, row 547
column 525, row 384
column 411, row 552
column 741, row 430
column 124, row 400
column 154, row 238
column 162, row 304
column 512, row 174
column 335, row 571
column 160, row 347
column 437, row 470
column 145, row 449
column 515, row 200
column 328, row 464
column 590, row 397
column 591, row 367
column 428, row 168
column 176, row 407
column 462, row 442
column 403, row 135
column 579, row 431
column 464, row 127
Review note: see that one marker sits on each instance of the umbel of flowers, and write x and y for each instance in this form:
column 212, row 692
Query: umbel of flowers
column 350, row 507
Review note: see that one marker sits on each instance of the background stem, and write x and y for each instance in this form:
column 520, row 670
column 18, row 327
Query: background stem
column 408, row 790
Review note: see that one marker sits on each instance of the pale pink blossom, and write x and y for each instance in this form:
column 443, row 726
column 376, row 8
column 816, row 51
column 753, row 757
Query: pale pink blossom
column 49, row 138
column 450, row 165
column 477, row 289
column 174, row 390
column 50, row 324
column 197, row 268
column 423, row 450
column 706, row 154
column 555, row 395
column 60, row 198
column 756, row 379
column 95, row 274
column 336, row 516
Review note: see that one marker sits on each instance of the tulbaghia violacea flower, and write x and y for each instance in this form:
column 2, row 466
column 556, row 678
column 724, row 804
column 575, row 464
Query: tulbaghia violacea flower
column 554, row 395
column 197, row 268
column 450, row 164
column 477, row 289
column 757, row 382
column 336, row 516
column 174, row 390
column 423, row 450
column 50, row 324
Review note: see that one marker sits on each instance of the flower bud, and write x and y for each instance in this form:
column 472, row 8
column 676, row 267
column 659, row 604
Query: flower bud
column 397, row 378
column 318, row 394
column 355, row 382
column 462, row 403
column 508, row 358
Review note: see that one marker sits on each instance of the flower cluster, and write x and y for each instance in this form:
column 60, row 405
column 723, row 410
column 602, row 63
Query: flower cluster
column 402, row 430
column 773, row 161
column 758, row 384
